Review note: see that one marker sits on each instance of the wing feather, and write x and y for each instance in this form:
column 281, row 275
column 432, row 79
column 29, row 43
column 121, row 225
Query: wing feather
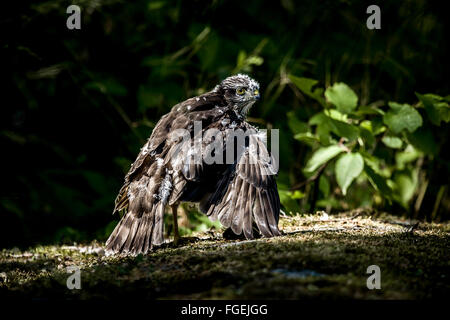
column 239, row 213
column 251, row 193
column 248, row 217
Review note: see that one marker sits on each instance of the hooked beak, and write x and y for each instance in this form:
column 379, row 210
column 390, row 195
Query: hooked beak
column 256, row 95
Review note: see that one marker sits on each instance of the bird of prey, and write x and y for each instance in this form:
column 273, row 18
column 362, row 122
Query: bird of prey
column 240, row 191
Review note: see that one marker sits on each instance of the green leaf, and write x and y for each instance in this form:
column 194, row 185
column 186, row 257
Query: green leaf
column 255, row 60
column 402, row 116
column 342, row 96
column 436, row 107
column 295, row 124
column 348, row 167
column 409, row 155
column 336, row 115
column 405, row 183
column 378, row 182
column 306, row 86
column 340, row 128
column 392, row 142
column 297, row 194
column 321, row 156
column 318, row 118
column 375, row 126
column 307, row 138
column 367, row 136
column 367, row 110
column 244, row 63
column 241, row 58
column 343, row 129
column 287, row 199
column 423, row 140
column 323, row 133
column 323, row 127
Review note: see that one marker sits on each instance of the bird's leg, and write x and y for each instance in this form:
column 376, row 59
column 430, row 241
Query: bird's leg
column 176, row 236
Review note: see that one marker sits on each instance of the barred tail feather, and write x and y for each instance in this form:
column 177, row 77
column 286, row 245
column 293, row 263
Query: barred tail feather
column 136, row 234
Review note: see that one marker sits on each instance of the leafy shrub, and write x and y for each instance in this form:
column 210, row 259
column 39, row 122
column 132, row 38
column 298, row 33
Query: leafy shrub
column 373, row 153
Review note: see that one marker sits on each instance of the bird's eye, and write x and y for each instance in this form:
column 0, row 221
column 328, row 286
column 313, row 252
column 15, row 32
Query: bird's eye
column 240, row 91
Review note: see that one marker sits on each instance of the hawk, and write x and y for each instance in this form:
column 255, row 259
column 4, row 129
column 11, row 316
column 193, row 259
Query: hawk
column 172, row 167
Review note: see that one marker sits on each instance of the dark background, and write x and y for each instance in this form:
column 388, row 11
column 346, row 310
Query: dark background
column 76, row 105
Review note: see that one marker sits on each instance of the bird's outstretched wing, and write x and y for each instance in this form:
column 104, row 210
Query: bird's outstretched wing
column 146, row 159
column 247, row 193
column 151, row 182
column 182, row 116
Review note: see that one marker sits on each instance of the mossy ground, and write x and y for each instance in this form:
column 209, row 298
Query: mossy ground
column 318, row 257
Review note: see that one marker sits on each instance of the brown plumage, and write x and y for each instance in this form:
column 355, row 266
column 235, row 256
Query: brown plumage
column 240, row 193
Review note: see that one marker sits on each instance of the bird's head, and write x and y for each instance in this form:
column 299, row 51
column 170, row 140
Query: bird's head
column 240, row 91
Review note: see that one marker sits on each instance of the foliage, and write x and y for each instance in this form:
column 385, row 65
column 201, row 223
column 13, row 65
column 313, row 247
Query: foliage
column 374, row 143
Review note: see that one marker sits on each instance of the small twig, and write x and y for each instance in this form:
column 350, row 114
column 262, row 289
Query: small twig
column 338, row 229
column 439, row 197
column 356, row 215
column 359, row 212
column 413, row 227
column 256, row 120
column 343, row 146
column 409, row 227
column 283, row 214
